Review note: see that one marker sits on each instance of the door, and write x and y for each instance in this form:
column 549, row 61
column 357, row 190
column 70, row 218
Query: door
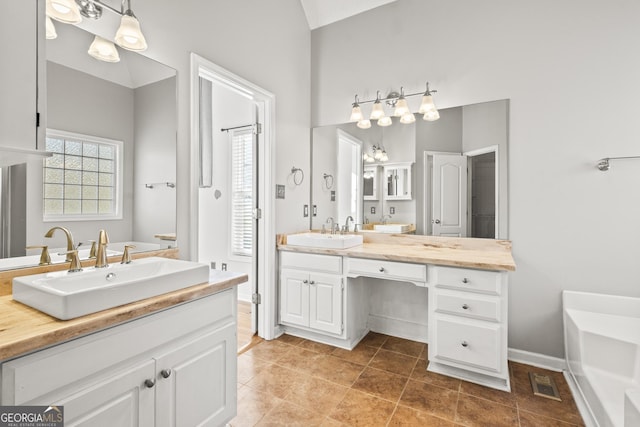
column 120, row 400
column 192, row 379
column 449, row 193
column 325, row 302
column 294, row 297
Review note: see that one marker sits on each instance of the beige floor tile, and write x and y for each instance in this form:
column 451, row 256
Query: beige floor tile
column 475, row 412
column 391, row 361
column 337, row 370
column 401, row 345
column 301, row 360
column 317, row 394
column 253, row 406
column 381, row 384
column 270, row 351
column 420, row 373
column 276, row 380
column 316, row 346
column 249, row 367
column 498, row 396
column 289, row 339
column 361, row 409
column 361, row 354
column 431, row 399
column 404, row 417
column 374, row 339
column 290, row 415
column 528, row 419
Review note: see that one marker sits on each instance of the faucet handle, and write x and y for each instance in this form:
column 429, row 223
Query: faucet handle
column 74, row 264
column 126, row 255
column 92, row 251
column 45, row 258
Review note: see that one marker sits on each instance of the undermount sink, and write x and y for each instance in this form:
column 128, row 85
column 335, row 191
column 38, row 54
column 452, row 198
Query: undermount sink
column 392, row 228
column 329, row 241
column 65, row 295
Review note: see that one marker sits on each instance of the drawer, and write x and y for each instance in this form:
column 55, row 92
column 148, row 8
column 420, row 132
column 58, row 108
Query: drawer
column 386, row 269
column 468, row 304
column 468, row 343
column 489, row 282
column 311, row 262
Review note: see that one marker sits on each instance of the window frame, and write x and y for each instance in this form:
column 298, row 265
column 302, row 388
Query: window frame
column 118, row 177
column 233, row 255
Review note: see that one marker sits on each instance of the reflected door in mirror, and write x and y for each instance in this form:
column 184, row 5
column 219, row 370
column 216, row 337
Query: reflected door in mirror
column 370, row 179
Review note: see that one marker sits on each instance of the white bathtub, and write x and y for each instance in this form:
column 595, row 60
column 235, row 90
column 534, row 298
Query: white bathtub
column 602, row 349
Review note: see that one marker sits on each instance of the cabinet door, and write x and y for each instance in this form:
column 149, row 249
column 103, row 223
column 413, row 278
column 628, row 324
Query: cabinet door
column 196, row 381
column 294, row 297
column 122, row 399
column 18, row 73
column 325, row 302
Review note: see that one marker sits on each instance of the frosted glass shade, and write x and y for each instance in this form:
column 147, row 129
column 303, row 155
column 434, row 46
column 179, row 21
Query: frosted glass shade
column 401, row 107
column 129, row 35
column 427, row 104
column 64, row 11
column 377, row 112
column 431, row 116
column 364, row 124
column 104, row 50
column 385, row 121
column 356, row 114
column 384, row 157
column 51, row 29
column 407, row 118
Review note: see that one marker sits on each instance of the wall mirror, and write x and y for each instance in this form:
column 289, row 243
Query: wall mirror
column 447, row 177
column 133, row 101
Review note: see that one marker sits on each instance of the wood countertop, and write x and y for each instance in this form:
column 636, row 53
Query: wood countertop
column 483, row 254
column 24, row 329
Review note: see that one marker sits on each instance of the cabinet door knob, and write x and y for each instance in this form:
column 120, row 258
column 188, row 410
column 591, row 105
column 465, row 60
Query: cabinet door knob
column 465, row 280
column 305, row 281
column 381, row 270
column 465, row 306
column 312, row 282
column 166, row 373
column 464, row 344
column 149, row 383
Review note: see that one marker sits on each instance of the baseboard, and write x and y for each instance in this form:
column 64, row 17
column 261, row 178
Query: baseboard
column 398, row 328
column 538, row 360
column 581, row 402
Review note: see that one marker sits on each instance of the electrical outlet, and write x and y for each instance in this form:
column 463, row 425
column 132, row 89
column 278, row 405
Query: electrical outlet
column 333, row 196
column 315, row 210
column 224, row 266
column 373, row 210
column 305, row 211
column 392, row 210
column 213, row 265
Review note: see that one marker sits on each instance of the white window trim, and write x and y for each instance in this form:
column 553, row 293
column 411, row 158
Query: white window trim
column 235, row 256
column 118, row 184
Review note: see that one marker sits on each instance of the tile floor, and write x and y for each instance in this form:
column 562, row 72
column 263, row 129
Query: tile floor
column 382, row 382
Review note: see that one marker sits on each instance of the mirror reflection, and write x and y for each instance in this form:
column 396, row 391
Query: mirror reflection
column 446, row 177
column 131, row 103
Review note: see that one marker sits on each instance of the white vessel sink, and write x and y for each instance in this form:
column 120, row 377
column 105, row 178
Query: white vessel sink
column 67, row 295
column 330, row 241
column 392, row 228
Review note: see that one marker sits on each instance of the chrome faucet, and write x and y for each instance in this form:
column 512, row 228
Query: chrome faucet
column 70, row 245
column 346, row 223
column 331, row 221
column 384, row 218
column 101, row 250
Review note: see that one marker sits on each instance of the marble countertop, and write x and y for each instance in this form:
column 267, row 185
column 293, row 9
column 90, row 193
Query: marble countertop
column 24, row 329
column 483, row 254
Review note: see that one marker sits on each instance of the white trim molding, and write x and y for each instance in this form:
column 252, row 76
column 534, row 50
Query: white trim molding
column 536, row 359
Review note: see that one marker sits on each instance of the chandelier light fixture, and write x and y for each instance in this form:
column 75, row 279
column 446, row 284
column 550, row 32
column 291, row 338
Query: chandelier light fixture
column 397, row 101
column 128, row 36
column 378, row 153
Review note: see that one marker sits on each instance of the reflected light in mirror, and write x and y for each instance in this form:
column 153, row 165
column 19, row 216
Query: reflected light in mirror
column 407, row 118
column 51, row 29
column 103, row 50
column 129, row 35
column 385, row 121
column 377, row 111
column 64, row 11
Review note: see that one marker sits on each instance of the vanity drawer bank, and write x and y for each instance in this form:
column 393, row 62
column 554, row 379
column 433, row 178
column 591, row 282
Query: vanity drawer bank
column 466, row 280
column 166, row 360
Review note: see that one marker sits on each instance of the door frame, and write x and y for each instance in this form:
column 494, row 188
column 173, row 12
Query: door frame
column 472, row 153
column 265, row 251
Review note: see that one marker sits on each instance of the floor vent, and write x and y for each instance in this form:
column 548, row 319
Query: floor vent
column 544, row 386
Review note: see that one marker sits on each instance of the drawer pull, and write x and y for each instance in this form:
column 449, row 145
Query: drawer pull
column 149, row 383
column 465, row 306
column 312, row 282
column 305, row 281
column 166, row 373
column 464, row 344
column 381, row 270
column 465, row 280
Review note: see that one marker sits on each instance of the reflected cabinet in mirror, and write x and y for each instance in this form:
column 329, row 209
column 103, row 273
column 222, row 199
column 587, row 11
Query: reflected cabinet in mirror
column 112, row 129
column 445, row 178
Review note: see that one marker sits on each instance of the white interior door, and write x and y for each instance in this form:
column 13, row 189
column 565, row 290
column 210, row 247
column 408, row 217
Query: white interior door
column 449, row 192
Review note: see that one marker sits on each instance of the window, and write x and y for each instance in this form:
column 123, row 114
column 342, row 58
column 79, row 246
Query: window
column 242, row 193
column 82, row 178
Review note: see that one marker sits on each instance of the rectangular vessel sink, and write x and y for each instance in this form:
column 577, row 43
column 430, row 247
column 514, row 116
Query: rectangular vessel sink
column 392, row 228
column 65, row 295
column 330, row 241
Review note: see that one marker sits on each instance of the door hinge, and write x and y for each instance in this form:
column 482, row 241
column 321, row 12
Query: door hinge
column 256, row 298
column 257, row 213
column 257, row 128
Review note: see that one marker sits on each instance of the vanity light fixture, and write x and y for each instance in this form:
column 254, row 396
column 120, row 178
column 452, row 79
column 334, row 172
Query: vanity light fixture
column 51, row 29
column 129, row 35
column 401, row 109
column 103, row 50
column 66, row 11
column 377, row 153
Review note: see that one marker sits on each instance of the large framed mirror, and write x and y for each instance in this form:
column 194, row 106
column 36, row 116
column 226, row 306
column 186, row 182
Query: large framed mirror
column 132, row 102
column 452, row 173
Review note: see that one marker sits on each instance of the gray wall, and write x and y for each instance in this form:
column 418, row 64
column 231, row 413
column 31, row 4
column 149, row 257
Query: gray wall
column 154, row 210
column 572, row 83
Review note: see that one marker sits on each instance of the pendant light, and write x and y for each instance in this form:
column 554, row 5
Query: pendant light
column 427, row 105
column 364, row 124
column 129, row 35
column 407, row 118
column 50, row 29
column 385, row 121
column 377, row 111
column 356, row 112
column 104, row 50
column 431, row 116
column 64, row 11
column 402, row 107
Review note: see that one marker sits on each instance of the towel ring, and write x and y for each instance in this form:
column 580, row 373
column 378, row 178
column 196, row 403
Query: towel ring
column 328, row 180
column 294, row 172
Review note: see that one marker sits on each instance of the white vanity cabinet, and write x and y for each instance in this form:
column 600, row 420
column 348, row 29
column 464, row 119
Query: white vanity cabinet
column 173, row 368
column 311, row 292
column 468, row 325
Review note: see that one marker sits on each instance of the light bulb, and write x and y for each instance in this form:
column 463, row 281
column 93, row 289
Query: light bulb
column 64, row 11
column 402, row 107
column 384, row 157
column 103, row 50
column 356, row 113
column 377, row 112
column 129, row 35
column 377, row 153
column 385, row 121
column 407, row 118
column 431, row 116
column 364, row 124
column 427, row 104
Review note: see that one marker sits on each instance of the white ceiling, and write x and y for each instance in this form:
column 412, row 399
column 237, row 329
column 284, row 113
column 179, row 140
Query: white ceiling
column 324, row 12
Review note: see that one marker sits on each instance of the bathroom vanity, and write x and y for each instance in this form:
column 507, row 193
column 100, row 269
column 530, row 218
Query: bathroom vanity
column 325, row 294
column 166, row 360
